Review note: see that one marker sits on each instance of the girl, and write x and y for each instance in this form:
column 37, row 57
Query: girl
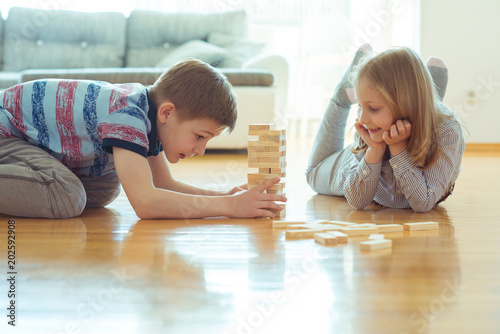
column 408, row 146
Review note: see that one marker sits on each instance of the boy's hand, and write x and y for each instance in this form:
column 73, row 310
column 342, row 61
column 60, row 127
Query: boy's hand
column 397, row 138
column 236, row 190
column 254, row 202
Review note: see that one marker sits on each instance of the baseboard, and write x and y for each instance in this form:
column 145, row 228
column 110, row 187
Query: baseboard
column 482, row 147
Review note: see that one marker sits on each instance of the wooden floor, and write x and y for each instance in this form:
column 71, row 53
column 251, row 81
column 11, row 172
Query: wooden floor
column 109, row 272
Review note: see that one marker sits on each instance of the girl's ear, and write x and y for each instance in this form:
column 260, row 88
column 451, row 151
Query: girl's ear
column 165, row 112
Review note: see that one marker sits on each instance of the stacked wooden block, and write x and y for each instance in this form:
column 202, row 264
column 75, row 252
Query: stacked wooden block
column 331, row 233
column 267, row 154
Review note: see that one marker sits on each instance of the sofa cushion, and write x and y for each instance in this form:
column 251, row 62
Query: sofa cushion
column 201, row 50
column 239, row 50
column 151, row 34
column 9, row 79
column 145, row 75
column 63, row 39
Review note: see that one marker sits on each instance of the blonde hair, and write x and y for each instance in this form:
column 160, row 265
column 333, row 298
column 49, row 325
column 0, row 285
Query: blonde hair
column 400, row 75
column 198, row 91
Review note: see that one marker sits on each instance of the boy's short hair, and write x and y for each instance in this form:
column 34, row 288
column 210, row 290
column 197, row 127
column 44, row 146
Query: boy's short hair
column 198, row 91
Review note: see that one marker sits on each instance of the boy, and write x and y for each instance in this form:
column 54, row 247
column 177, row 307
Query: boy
column 66, row 145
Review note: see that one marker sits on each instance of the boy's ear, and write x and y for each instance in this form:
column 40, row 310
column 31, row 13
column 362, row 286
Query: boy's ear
column 165, row 111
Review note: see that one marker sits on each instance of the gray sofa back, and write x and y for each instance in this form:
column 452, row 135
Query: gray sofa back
column 151, row 34
column 62, row 39
column 1, row 41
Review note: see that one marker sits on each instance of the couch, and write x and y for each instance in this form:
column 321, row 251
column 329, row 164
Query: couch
column 116, row 48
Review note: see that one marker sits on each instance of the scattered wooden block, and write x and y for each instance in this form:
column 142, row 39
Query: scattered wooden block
column 341, row 237
column 421, row 226
column 340, row 223
column 376, row 237
column 352, row 231
column 316, row 226
column 362, row 225
column 390, row 228
column 285, row 224
column 372, row 245
column 325, row 239
column 301, row 234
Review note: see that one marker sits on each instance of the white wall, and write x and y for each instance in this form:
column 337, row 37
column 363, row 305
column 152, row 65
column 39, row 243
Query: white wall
column 466, row 34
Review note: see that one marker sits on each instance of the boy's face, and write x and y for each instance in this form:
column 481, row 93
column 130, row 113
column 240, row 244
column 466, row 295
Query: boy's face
column 187, row 138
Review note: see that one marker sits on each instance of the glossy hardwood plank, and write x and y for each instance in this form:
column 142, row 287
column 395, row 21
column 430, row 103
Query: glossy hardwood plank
column 107, row 271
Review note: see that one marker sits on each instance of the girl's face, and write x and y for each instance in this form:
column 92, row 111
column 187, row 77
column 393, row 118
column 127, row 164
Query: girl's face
column 374, row 113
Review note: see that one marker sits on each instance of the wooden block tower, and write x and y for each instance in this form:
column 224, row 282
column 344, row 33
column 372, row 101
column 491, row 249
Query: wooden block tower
column 267, row 152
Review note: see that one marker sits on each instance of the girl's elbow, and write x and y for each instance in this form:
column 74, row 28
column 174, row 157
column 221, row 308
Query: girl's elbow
column 423, row 207
column 357, row 203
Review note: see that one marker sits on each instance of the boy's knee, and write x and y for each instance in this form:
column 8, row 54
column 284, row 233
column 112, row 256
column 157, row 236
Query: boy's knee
column 65, row 196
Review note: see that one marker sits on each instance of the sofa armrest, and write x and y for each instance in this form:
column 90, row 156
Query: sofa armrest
column 144, row 75
column 277, row 65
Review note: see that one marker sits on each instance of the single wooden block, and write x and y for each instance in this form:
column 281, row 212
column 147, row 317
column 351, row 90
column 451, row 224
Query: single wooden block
column 262, row 126
column 376, row 237
column 272, row 159
column 281, row 164
column 285, row 224
column 315, row 226
column 256, row 149
column 421, row 226
column 352, row 231
column 336, row 222
column 255, row 178
column 341, row 237
column 387, row 228
column 325, row 239
column 276, row 154
column 276, row 192
column 279, row 214
column 301, row 234
column 266, row 133
column 276, row 139
column 362, row 225
column 372, row 245
column 275, row 187
column 260, row 143
column 280, row 171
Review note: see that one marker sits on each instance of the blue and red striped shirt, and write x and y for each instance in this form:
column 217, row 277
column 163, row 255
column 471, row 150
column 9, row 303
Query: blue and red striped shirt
column 79, row 122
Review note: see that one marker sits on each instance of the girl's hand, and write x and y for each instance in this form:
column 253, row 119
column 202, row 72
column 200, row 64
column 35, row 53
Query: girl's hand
column 366, row 137
column 398, row 137
column 376, row 150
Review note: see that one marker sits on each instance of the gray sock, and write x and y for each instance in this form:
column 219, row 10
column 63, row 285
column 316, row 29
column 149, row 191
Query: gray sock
column 439, row 73
column 343, row 95
column 330, row 136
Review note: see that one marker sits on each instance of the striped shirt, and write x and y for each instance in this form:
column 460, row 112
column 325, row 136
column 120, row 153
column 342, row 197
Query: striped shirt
column 79, row 122
column 397, row 182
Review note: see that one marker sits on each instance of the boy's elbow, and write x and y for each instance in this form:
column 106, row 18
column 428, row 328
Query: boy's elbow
column 143, row 209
